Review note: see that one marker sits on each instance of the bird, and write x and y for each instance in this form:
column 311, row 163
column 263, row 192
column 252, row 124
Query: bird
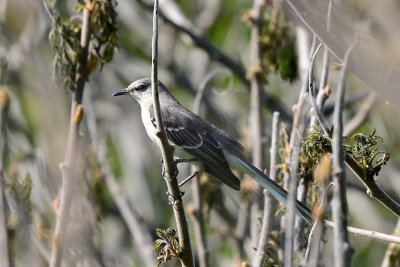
column 214, row 150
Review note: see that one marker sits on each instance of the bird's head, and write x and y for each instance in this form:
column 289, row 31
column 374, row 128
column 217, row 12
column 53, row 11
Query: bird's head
column 140, row 89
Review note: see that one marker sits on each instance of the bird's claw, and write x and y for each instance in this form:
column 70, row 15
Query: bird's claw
column 171, row 200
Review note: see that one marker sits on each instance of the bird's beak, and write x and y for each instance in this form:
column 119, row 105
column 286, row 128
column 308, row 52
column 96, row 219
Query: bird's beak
column 121, row 92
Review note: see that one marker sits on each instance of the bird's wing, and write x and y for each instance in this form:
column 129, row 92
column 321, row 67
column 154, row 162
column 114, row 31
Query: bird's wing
column 191, row 133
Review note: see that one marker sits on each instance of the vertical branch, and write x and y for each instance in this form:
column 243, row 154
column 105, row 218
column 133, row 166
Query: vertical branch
column 391, row 255
column 167, row 155
column 322, row 176
column 323, row 90
column 68, row 168
column 198, row 221
column 268, row 201
column 256, row 87
column 4, row 103
column 290, row 183
column 342, row 247
column 290, row 216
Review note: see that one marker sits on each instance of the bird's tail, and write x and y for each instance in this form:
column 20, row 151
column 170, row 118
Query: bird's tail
column 277, row 191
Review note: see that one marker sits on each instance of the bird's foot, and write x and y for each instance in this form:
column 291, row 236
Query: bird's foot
column 172, row 201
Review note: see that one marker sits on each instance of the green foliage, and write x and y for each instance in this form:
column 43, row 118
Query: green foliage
column 361, row 146
column 278, row 45
column 316, row 144
column 364, row 151
column 66, row 34
column 167, row 247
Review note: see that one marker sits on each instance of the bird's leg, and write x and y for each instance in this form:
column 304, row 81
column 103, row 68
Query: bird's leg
column 164, row 170
column 194, row 174
column 198, row 169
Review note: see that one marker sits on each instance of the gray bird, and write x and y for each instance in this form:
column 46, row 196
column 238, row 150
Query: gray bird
column 215, row 150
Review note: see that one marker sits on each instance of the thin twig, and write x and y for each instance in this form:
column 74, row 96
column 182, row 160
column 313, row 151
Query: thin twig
column 290, row 183
column 198, row 218
column 4, row 103
column 314, row 104
column 268, row 201
column 323, row 95
column 361, row 115
column 167, row 155
column 342, row 247
column 290, row 215
column 136, row 223
column 367, row 233
column 68, row 168
column 256, row 126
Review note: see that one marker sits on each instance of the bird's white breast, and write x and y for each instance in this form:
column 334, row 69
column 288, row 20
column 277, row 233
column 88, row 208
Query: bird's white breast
column 148, row 124
column 151, row 132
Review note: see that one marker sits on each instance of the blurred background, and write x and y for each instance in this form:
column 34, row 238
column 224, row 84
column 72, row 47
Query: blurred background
column 39, row 115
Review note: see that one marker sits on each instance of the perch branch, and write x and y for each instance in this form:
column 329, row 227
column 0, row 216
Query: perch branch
column 167, row 155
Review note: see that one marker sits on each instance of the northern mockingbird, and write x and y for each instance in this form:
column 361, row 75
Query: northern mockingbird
column 216, row 151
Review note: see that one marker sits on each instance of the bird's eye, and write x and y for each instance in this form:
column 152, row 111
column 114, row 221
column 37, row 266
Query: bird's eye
column 141, row 87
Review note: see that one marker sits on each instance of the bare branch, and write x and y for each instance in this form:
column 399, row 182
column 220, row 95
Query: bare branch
column 256, row 122
column 314, row 104
column 136, row 224
column 342, row 247
column 4, row 103
column 167, row 155
column 198, row 218
column 371, row 234
column 268, row 201
column 361, row 115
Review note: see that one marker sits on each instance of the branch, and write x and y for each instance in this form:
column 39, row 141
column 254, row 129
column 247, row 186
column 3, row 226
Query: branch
column 136, row 224
column 4, row 103
column 198, row 218
column 167, row 155
column 323, row 90
column 371, row 234
column 314, row 104
column 290, row 183
column 268, row 201
column 361, row 115
column 256, row 121
column 69, row 179
column 342, row 247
